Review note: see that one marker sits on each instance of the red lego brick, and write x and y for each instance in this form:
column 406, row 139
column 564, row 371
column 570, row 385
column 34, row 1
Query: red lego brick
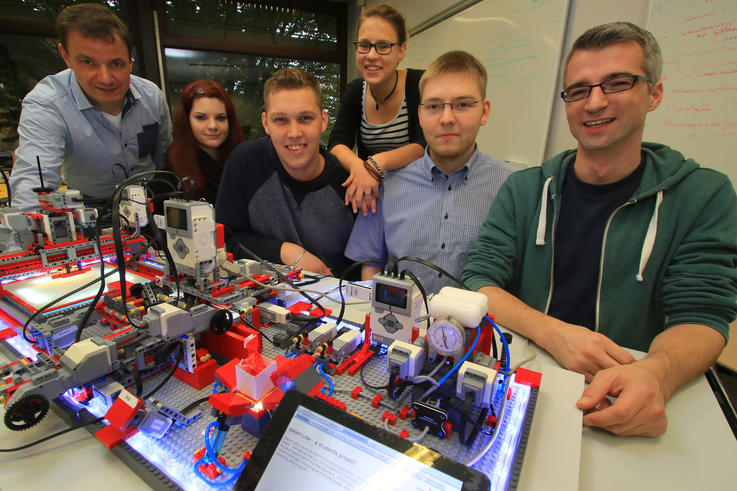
column 231, row 403
column 528, row 377
column 448, row 427
column 356, row 392
column 317, row 313
column 376, row 400
column 298, row 308
column 392, row 418
column 203, row 374
column 120, row 415
column 7, row 334
column 404, row 412
column 220, row 236
column 329, row 400
column 404, row 433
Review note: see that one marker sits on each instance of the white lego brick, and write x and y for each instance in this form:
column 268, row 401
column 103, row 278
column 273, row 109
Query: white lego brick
column 253, row 375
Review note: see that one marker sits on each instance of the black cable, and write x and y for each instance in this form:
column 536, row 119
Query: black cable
column 417, row 282
column 311, row 280
column 433, row 266
column 169, row 375
column 282, row 276
column 54, row 435
column 375, row 387
column 260, row 331
column 59, row 299
column 340, row 288
column 194, row 404
column 91, row 308
column 117, row 239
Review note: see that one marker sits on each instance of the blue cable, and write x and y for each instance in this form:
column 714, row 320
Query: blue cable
column 504, row 340
column 330, row 382
column 210, row 457
column 207, row 480
column 465, row 356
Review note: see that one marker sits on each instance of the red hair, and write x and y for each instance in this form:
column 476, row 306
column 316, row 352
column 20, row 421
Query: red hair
column 183, row 150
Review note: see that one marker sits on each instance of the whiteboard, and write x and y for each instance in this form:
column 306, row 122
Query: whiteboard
column 698, row 115
column 519, row 42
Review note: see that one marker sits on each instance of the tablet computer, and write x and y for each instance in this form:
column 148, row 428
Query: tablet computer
column 309, row 445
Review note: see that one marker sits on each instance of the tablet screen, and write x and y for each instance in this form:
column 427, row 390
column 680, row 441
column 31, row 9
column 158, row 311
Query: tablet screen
column 310, row 445
column 327, row 455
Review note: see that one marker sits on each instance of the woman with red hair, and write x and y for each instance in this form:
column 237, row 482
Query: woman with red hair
column 206, row 130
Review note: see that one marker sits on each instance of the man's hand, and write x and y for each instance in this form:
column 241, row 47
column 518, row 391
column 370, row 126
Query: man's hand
column 640, row 405
column 362, row 190
column 584, row 351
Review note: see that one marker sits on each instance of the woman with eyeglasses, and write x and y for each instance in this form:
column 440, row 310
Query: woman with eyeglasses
column 378, row 112
column 205, row 132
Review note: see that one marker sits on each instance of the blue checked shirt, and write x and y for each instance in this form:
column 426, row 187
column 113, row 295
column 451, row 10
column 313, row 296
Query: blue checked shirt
column 427, row 214
column 72, row 138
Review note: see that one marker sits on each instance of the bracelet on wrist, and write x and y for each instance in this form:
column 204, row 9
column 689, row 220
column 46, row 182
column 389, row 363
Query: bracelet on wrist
column 376, row 166
column 299, row 258
column 372, row 171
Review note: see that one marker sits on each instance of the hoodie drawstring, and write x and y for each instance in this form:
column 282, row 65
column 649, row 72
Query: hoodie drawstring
column 542, row 220
column 649, row 242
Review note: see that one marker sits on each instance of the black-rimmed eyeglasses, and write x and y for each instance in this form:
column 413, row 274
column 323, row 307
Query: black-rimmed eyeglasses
column 613, row 85
column 364, row 47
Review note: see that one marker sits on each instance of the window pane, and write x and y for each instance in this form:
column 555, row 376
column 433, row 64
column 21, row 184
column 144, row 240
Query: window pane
column 20, row 70
column 48, row 9
column 251, row 23
column 243, row 77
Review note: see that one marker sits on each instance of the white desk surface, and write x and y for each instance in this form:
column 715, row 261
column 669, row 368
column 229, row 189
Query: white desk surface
column 698, row 451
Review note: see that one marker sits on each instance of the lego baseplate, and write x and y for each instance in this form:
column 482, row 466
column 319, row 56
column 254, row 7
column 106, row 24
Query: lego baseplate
column 167, row 463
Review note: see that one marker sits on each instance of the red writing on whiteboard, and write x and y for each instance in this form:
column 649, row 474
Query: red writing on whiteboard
column 690, row 108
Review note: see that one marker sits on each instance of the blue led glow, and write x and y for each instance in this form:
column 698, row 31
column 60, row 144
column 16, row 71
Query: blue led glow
column 21, row 346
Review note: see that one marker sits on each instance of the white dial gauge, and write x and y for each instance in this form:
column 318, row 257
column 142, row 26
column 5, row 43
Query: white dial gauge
column 446, row 337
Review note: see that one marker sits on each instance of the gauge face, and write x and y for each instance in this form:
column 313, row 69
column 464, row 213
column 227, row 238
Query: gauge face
column 446, row 337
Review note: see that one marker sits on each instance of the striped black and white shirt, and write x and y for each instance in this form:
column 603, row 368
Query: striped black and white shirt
column 385, row 136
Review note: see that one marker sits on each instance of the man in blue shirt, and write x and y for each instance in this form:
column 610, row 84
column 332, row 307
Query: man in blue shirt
column 433, row 208
column 93, row 123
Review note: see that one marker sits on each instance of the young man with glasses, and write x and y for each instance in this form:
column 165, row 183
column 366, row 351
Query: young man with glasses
column 433, row 208
column 617, row 244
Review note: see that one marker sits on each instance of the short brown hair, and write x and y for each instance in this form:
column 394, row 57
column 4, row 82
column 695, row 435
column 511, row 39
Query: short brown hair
column 600, row 37
column 292, row 78
column 456, row 62
column 92, row 20
column 389, row 14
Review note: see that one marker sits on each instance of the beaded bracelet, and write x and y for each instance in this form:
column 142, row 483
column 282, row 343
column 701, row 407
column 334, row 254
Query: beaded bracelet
column 372, row 170
column 376, row 166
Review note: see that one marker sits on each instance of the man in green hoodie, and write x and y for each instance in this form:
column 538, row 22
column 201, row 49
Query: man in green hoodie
column 616, row 244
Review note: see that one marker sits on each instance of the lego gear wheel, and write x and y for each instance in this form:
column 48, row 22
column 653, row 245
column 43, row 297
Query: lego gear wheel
column 26, row 412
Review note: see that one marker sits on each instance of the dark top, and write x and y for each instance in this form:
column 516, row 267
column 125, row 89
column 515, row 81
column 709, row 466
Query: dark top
column 262, row 206
column 347, row 125
column 584, row 211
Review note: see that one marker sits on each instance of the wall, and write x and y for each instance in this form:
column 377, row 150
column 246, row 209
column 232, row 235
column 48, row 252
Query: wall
column 582, row 15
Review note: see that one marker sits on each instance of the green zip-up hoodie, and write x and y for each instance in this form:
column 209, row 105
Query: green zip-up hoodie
column 668, row 254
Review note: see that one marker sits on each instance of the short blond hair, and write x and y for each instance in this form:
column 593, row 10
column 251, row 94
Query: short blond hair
column 456, row 62
column 292, row 78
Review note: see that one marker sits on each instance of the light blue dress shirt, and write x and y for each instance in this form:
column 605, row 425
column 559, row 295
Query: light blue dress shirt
column 73, row 139
column 427, row 214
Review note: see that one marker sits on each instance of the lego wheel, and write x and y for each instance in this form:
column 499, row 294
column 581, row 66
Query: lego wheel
column 26, row 412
